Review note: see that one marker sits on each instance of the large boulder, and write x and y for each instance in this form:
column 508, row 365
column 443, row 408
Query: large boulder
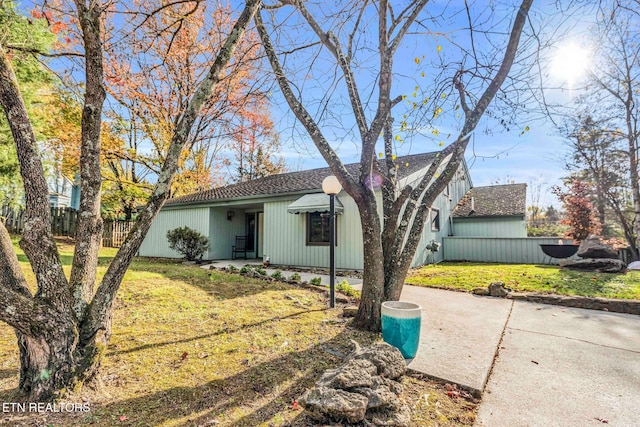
column 591, row 247
column 322, row 402
column 601, row 265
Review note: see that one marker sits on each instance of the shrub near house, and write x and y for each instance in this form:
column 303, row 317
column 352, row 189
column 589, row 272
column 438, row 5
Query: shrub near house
column 188, row 242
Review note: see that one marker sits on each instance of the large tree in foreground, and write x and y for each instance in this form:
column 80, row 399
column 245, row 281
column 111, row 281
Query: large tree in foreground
column 362, row 40
column 63, row 328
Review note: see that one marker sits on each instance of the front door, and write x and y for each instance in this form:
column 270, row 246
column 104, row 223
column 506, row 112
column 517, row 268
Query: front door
column 251, row 231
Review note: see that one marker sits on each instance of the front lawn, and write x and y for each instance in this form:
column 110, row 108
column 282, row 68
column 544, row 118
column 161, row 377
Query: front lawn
column 527, row 278
column 192, row 348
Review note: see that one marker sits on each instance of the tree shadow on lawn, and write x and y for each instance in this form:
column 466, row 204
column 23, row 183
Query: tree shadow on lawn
column 264, row 392
column 248, row 398
column 8, row 373
column 223, row 331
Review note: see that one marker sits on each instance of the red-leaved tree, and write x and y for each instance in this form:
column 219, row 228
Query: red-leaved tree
column 579, row 212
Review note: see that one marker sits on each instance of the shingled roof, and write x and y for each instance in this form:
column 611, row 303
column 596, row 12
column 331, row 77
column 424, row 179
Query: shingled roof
column 494, row 200
column 293, row 182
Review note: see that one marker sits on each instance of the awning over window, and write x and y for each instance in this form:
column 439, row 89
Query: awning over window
column 318, row 202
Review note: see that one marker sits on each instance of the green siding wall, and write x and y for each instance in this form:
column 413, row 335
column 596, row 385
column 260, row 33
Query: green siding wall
column 285, row 237
column 445, row 202
column 155, row 243
column 505, row 250
column 490, row 227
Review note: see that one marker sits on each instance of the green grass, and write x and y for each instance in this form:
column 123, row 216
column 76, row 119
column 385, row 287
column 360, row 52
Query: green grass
column 465, row 276
column 192, row 347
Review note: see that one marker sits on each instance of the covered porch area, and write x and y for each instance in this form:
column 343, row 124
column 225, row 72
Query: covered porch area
column 236, row 231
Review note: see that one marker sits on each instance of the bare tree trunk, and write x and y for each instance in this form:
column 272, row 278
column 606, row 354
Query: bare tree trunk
column 369, row 314
column 89, row 230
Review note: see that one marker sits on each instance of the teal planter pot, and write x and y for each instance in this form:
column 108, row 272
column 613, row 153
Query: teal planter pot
column 401, row 326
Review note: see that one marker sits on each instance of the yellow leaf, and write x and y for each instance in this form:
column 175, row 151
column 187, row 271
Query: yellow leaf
column 435, row 131
column 414, row 94
column 439, row 48
column 422, row 74
column 416, row 88
column 380, row 155
column 443, row 96
column 417, row 60
column 404, row 97
column 527, row 128
column 397, row 137
column 441, row 144
column 407, row 164
column 393, row 157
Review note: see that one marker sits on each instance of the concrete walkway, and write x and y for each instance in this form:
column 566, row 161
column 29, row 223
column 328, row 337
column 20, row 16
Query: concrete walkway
column 304, row 276
column 554, row 366
column 534, row 364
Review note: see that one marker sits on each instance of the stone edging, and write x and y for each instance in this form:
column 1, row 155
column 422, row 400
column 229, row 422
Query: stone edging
column 604, row 304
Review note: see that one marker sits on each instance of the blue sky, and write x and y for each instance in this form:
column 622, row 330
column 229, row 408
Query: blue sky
column 532, row 157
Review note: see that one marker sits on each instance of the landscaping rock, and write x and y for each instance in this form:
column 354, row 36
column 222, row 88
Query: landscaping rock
column 591, row 247
column 354, row 373
column 341, row 299
column 601, row 265
column 498, row 289
column 380, row 396
column 361, row 388
column 322, row 402
column 350, row 311
column 400, row 418
column 385, row 357
column 394, row 386
column 481, row 291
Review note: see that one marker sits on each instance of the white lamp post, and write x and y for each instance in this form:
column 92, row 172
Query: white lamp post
column 331, row 186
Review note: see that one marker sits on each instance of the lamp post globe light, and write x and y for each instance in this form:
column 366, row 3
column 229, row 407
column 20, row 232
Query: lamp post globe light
column 331, row 186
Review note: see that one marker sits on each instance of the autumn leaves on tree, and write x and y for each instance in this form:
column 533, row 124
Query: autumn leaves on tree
column 64, row 327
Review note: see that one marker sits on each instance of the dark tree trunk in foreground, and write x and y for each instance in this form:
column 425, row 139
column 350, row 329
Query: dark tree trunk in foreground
column 63, row 330
column 390, row 241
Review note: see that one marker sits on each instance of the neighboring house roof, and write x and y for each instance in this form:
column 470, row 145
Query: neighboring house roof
column 294, row 182
column 494, row 200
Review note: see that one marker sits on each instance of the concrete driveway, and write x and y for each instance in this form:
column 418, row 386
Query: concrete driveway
column 535, row 364
column 560, row 366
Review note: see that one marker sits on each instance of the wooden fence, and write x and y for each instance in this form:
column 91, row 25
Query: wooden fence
column 114, row 233
column 64, row 222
